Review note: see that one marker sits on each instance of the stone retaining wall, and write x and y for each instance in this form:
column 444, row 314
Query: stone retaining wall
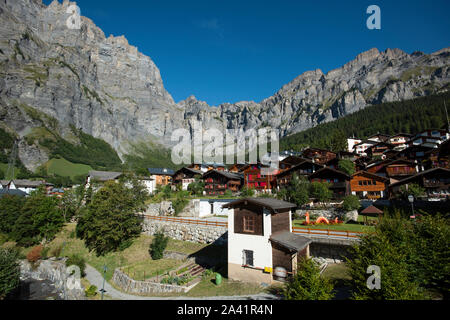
column 55, row 272
column 332, row 253
column 186, row 232
column 127, row 284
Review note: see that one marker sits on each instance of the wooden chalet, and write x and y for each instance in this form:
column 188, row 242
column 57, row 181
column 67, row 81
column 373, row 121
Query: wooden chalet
column 367, row 185
column 185, row 176
column 237, row 167
column 260, row 239
column 378, row 150
column 204, row 167
column 290, row 162
column 217, row 182
column 304, row 168
column 162, row 176
column 400, row 140
column 379, row 137
column 340, row 181
column 255, row 177
column 395, row 169
column 320, row 156
column 436, row 183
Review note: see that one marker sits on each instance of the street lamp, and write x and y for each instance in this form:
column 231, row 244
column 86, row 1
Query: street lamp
column 411, row 200
column 104, row 275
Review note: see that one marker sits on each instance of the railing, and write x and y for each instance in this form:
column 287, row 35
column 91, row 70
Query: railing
column 200, row 222
column 326, row 233
column 322, row 233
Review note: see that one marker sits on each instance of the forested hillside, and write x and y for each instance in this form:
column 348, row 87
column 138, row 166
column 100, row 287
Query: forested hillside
column 408, row 116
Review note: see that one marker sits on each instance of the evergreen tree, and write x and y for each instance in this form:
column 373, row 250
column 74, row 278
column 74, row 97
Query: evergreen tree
column 308, row 284
column 9, row 271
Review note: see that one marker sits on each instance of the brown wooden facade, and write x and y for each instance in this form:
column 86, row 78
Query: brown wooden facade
column 217, row 182
column 367, row 185
column 339, row 181
column 255, row 179
column 305, row 168
column 319, row 156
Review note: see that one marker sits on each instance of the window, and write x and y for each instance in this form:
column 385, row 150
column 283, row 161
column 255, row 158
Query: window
column 248, row 258
column 249, row 224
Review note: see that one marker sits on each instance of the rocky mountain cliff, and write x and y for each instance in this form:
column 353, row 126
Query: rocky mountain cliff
column 108, row 89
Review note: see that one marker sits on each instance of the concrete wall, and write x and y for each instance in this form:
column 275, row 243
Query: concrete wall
column 186, row 232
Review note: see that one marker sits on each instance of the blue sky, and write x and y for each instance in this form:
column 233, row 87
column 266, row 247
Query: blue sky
column 228, row 51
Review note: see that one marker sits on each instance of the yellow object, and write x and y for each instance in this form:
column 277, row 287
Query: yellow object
column 268, row 269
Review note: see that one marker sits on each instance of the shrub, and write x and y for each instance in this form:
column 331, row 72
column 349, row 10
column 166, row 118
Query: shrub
column 91, row 291
column 125, row 244
column 9, row 271
column 44, row 253
column 35, row 254
column 308, row 284
column 158, row 246
column 350, row 203
column 78, row 261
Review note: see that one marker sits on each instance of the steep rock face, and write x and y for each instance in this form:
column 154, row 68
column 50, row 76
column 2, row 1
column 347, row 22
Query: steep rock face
column 102, row 85
column 107, row 88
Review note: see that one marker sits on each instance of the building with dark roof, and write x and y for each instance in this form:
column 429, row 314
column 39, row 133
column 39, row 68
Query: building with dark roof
column 260, row 239
column 218, row 182
column 162, row 176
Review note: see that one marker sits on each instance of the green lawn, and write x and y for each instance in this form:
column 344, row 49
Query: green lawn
column 336, row 271
column 66, row 168
column 355, row 227
column 136, row 255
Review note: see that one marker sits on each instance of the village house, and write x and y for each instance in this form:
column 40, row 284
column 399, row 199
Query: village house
column 305, row 168
column 289, row 162
column 237, row 167
column 351, row 142
column 378, row 150
column 436, row 183
column 256, row 178
column 185, row 176
column 320, row 156
column 162, row 176
column 379, row 137
column 205, row 167
column 102, row 176
column 367, row 185
column 393, row 169
column 217, row 182
column 23, row 185
column 399, row 140
column 360, row 148
column 260, row 239
column 339, row 181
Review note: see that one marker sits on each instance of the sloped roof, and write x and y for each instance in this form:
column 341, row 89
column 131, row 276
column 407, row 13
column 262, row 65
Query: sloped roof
column 270, row 203
column 12, row 192
column 23, row 183
column 372, row 175
column 104, row 175
column 228, row 175
column 371, row 210
column 161, row 171
column 406, row 180
column 292, row 242
column 318, row 172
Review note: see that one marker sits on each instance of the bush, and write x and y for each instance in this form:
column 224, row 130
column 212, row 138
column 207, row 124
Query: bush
column 308, row 284
column 78, row 261
column 158, row 245
column 125, row 244
column 91, row 291
column 35, row 254
column 44, row 253
column 350, row 203
column 9, row 271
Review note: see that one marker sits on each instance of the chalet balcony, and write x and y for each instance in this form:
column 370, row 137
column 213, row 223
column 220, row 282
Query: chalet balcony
column 436, row 184
column 336, row 185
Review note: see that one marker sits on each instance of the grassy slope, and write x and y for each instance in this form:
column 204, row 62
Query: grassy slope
column 66, row 168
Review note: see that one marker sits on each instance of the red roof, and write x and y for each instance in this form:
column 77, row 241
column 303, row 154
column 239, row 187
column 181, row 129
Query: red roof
column 371, row 210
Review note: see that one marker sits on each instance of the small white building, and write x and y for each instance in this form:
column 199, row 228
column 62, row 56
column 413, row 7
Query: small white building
column 260, row 239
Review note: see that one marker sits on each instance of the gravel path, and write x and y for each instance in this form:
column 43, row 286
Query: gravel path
column 96, row 279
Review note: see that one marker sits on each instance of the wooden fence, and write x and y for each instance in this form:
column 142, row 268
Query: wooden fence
column 325, row 233
column 200, row 222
